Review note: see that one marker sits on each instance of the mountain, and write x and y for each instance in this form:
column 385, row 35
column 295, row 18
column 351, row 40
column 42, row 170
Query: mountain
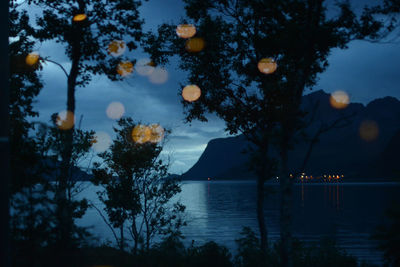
column 53, row 167
column 338, row 151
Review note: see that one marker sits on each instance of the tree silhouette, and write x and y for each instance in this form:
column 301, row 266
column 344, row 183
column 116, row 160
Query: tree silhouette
column 137, row 191
column 25, row 85
column 266, row 108
column 86, row 29
column 28, row 229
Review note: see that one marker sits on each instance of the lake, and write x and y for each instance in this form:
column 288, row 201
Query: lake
column 217, row 210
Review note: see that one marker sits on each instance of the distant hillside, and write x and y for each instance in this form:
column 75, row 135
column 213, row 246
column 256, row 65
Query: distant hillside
column 54, row 168
column 340, row 150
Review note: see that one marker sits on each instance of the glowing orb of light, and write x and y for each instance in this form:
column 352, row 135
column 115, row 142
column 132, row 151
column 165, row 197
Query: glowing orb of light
column 186, row 30
column 158, row 76
column 339, row 100
column 195, row 45
column 32, row 58
column 65, row 120
column 115, row 110
column 267, row 65
column 191, row 93
column 101, row 142
column 141, row 134
column 125, row 68
column 116, row 48
column 157, row 133
column 145, row 67
column 369, row 130
column 79, row 17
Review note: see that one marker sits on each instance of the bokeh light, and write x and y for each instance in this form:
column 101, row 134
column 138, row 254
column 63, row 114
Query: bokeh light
column 32, row 58
column 158, row 76
column 186, row 30
column 191, row 93
column 65, row 120
column 195, row 45
column 125, row 68
column 339, row 99
column 157, row 133
column 141, row 134
column 145, row 66
column 116, row 48
column 369, row 130
column 102, row 141
column 267, row 65
column 79, row 17
column 115, row 110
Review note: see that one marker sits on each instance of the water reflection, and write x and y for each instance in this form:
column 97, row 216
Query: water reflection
column 344, row 211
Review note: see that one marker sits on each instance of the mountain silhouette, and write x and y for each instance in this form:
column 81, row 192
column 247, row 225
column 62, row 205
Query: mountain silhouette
column 364, row 145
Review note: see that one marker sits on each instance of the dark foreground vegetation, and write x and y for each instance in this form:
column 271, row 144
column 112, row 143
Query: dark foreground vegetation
column 172, row 252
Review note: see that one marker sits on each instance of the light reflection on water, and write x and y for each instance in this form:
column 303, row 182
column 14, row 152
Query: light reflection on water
column 217, row 210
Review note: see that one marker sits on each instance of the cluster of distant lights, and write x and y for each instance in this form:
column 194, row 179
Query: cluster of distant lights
column 325, row 176
column 368, row 129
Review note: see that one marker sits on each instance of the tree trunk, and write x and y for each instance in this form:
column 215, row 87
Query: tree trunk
column 286, row 208
column 121, row 239
column 4, row 139
column 65, row 220
column 260, row 215
column 135, row 236
column 122, row 246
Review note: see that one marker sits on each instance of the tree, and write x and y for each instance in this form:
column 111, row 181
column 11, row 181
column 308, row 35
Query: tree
column 27, row 228
column 86, row 28
column 25, row 85
column 388, row 236
column 4, row 141
column 266, row 108
column 137, row 191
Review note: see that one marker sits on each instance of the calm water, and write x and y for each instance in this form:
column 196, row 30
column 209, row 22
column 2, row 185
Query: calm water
column 218, row 211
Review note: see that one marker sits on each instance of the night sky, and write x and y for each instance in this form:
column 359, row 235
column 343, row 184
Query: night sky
column 365, row 71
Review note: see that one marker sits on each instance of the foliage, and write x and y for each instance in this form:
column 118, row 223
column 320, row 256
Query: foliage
column 87, row 40
column 29, row 217
column 388, row 236
column 326, row 253
column 25, row 85
column 85, row 44
column 137, row 190
column 34, row 210
column 210, row 254
column 249, row 252
column 298, row 34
